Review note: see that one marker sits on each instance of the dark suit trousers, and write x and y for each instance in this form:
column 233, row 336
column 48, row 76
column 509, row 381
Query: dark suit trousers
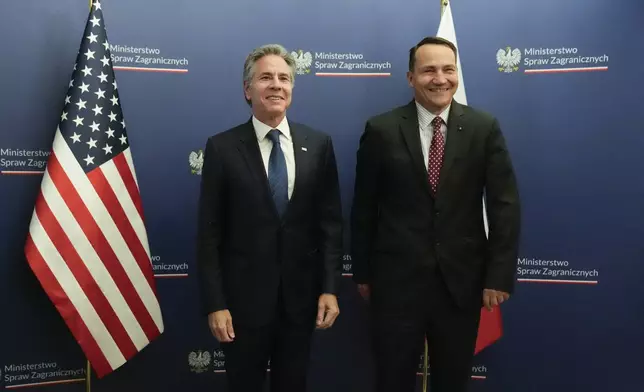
column 286, row 342
column 399, row 341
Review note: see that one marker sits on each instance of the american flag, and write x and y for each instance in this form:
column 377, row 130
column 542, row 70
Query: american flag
column 87, row 241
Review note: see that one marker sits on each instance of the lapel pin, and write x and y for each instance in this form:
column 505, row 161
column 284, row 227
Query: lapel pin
column 304, row 149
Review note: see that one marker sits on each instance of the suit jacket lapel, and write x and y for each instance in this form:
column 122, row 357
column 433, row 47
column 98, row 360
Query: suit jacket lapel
column 249, row 148
column 457, row 141
column 411, row 135
column 301, row 159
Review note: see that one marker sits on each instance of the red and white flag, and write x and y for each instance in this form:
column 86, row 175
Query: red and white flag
column 491, row 325
column 87, row 241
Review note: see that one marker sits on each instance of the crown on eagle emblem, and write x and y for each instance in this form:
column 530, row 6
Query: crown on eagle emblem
column 508, row 59
column 303, row 61
column 196, row 162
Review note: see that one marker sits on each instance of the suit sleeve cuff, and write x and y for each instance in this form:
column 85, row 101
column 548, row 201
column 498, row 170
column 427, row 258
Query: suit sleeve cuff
column 331, row 283
column 500, row 283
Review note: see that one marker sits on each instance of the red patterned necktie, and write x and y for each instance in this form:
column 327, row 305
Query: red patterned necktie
column 436, row 153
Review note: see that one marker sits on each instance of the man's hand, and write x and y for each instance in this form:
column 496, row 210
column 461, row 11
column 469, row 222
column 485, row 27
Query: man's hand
column 493, row 298
column 221, row 325
column 328, row 311
column 365, row 291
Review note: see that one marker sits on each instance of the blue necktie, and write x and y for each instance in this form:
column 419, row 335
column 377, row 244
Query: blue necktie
column 277, row 174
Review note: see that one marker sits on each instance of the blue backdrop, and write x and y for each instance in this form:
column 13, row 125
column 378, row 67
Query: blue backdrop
column 576, row 320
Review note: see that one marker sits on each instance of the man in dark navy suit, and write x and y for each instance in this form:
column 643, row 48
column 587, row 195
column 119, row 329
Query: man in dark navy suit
column 270, row 233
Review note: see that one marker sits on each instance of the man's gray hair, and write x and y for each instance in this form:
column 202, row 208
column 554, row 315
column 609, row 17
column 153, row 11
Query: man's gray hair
column 266, row 50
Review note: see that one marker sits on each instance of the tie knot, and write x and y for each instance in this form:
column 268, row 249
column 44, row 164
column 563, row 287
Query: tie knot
column 274, row 135
column 437, row 122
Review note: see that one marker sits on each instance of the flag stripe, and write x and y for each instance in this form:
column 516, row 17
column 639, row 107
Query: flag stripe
column 67, row 310
column 111, row 203
column 128, row 157
column 91, row 262
column 109, row 231
column 120, row 178
column 81, row 310
column 126, row 172
column 74, row 263
column 100, row 244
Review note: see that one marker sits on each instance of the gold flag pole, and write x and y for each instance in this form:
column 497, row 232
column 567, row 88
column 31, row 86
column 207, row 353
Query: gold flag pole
column 425, row 365
column 88, row 373
column 425, row 357
column 88, row 378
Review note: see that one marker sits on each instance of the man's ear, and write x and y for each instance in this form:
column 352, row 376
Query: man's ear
column 246, row 90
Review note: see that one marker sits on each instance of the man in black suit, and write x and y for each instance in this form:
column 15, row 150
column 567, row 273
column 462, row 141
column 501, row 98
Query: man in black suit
column 419, row 247
column 270, row 233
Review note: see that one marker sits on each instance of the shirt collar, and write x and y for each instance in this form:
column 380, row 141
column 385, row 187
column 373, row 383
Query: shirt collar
column 261, row 129
column 425, row 117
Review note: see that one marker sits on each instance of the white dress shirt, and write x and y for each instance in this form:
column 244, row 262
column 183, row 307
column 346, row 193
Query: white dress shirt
column 265, row 147
column 425, row 118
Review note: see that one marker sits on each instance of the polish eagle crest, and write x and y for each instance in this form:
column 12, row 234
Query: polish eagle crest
column 303, row 61
column 196, row 162
column 508, row 59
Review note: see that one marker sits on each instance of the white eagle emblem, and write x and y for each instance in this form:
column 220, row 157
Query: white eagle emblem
column 508, row 59
column 199, row 361
column 196, row 162
column 303, row 61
